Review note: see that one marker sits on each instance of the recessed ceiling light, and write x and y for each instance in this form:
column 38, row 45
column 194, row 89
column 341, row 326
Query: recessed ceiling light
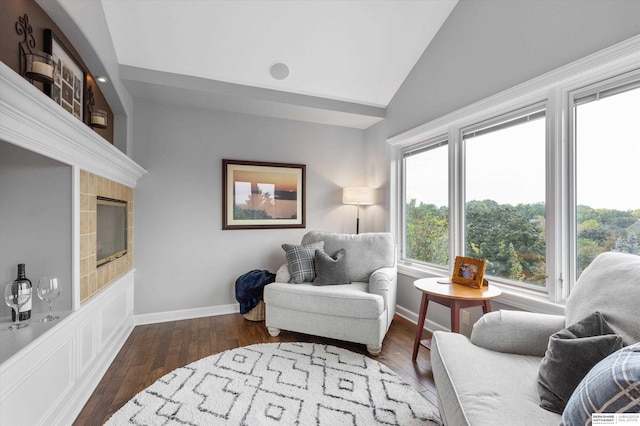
column 101, row 79
column 279, row 71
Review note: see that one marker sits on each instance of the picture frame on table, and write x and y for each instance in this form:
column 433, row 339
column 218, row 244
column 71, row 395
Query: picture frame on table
column 469, row 271
column 69, row 78
column 263, row 195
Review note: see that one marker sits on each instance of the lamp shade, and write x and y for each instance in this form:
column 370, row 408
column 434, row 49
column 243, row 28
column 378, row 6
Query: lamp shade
column 359, row 195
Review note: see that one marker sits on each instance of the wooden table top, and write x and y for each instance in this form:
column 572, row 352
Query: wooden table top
column 451, row 290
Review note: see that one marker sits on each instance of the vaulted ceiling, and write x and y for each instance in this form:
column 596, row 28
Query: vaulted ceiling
column 343, row 60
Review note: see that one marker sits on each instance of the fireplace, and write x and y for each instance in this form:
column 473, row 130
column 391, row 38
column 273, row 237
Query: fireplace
column 99, row 270
column 111, row 230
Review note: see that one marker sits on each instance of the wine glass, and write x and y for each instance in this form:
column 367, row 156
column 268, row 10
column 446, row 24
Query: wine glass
column 16, row 294
column 48, row 289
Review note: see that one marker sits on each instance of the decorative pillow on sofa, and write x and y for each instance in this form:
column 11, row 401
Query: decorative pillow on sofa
column 571, row 353
column 331, row 269
column 612, row 386
column 300, row 261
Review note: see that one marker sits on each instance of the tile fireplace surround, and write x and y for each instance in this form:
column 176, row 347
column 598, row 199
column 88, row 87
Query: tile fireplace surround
column 92, row 279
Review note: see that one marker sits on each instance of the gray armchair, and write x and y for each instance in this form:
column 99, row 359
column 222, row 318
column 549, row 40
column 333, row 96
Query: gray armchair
column 360, row 311
column 492, row 378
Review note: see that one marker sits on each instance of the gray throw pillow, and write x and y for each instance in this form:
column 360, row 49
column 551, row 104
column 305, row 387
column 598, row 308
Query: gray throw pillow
column 571, row 353
column 300, row 261
column 331, row 269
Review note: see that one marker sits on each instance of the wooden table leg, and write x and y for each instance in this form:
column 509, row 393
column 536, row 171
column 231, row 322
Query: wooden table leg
column 421, row 317
column 486, row 308
column 455, row 316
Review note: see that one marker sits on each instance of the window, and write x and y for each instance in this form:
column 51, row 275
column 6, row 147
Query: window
column 426, row 204
column 505, row 213
column 538, row 180
column 607, row 160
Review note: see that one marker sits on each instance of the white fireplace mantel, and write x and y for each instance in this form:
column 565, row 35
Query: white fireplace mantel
column 31, row 120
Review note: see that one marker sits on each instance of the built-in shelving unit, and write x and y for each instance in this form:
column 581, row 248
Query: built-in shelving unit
column 59, row 364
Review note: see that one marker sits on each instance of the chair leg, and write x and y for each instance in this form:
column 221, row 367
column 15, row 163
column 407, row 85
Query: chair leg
column 273, row 331
column 374, row 350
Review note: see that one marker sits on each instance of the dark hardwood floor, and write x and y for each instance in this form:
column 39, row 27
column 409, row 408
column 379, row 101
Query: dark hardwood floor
column 153, row 350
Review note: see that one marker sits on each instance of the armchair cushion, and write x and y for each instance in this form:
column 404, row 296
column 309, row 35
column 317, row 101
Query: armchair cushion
column 343, row 300
column 365, row 252
column 331, row 269
column 283, row 275
column 572, row 352
column 608, row 285
column 300, row 260
column 522, row 333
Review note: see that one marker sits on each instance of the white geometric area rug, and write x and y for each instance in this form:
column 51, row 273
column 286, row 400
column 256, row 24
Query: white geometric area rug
column 279, row 384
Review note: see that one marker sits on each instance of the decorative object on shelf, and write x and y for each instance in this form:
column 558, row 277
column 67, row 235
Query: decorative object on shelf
column 259, row 195
column 34, row 64
column 69, row 78
column 16, row 295
column 97, row 117
column 24, row 282
column 358, row 196
column 469, row 271
column 48, row 290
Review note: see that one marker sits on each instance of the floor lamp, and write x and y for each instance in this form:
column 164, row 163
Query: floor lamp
column 358, row 196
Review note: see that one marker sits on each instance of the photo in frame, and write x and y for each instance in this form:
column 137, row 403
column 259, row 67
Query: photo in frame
column 69, row 78
column 469, row 271
column 262, row 195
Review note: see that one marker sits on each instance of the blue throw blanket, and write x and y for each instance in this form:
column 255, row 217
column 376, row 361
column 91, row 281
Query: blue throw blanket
column 250, row 288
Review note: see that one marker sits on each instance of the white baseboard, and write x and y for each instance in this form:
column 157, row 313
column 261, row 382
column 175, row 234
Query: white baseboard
column 184, row 314
column 159, row 317
column 429, row 325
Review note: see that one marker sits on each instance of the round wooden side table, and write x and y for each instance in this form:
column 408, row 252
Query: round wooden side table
column 454, row 296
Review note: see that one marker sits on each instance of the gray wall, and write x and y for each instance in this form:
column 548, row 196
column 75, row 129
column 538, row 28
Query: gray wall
column 183, row 259
column 486, row 47
column 35, row 223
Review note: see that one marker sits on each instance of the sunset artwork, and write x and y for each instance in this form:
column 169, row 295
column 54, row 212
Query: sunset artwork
column 263, row 194
column 274, row 193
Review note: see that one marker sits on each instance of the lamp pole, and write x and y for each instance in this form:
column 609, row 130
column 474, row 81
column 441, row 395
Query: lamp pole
column 358, row 195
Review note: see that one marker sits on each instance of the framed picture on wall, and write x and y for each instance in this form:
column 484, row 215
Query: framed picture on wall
column 261, row 195
column 69, row 78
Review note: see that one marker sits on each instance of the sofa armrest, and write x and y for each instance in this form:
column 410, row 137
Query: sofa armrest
column 524, row 333
column 383, row 281
column 282, row 275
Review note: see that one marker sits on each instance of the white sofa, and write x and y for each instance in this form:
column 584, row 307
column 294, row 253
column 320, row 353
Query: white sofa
column 360, row 311
column 492, row 378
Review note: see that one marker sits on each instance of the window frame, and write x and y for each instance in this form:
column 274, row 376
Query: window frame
column 615, row 84
column 556, row 90
column 501, row 121
column 405, row 152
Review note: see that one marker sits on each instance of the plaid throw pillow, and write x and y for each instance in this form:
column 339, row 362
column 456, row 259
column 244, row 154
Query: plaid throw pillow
column 612, row 386
column 300, row 261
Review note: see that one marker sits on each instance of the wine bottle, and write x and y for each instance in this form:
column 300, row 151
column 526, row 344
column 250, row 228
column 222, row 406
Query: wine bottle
column 25, row 310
